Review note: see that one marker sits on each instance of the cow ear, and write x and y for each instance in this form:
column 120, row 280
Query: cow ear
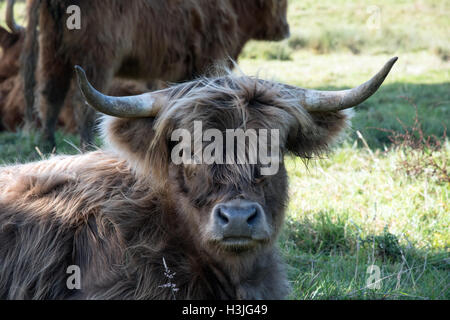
column 133, row 138
column 314, row 137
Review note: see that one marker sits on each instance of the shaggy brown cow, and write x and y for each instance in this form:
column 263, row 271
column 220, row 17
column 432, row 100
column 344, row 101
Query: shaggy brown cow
column 171, row 40
column 126, row 214
column 12, row 100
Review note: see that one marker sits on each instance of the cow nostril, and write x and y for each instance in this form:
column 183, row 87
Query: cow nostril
column 223, row 218
column 251, row 219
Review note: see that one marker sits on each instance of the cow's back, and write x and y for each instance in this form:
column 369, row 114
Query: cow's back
column 135, row 39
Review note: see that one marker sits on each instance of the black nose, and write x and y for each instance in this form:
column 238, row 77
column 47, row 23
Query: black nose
column 238, row 220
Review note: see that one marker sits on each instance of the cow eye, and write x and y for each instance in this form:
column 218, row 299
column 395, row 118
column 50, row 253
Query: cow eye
column 190, row 172
column 258, row 178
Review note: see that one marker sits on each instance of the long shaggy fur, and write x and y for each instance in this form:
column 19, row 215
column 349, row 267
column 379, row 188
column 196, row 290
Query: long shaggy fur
column 14, row 90
column 118, row 213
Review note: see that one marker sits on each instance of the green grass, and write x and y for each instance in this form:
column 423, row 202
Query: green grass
column 361, row 27
column 357, row 207
column 21, row 147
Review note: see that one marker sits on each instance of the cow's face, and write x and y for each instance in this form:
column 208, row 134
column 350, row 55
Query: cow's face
column 272, row 20
column 234, row 206
column 11, row 45
column 231, row 217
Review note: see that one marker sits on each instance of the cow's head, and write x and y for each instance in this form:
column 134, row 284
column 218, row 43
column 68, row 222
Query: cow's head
column 233, row 208
column 11, row 43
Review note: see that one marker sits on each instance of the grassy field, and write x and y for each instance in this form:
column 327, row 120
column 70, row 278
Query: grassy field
column 371, row 201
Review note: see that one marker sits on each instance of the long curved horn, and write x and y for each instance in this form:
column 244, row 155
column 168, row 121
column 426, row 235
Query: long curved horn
column 10, row 21
column 140, row 106
column 327, row 101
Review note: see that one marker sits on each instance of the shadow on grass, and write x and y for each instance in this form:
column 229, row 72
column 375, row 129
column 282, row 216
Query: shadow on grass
column 397, row 101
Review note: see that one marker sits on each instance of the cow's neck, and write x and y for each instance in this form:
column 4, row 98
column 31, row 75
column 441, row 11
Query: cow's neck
column 234, row 279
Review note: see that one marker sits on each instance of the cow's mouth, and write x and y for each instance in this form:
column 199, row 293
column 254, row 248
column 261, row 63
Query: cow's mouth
column 239, row 244
column 237, row 240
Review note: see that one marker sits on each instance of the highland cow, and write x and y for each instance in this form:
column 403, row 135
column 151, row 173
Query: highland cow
column 169, row 40
column 139, row 226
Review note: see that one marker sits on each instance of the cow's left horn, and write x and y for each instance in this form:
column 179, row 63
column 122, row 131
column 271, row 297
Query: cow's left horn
column 10, row 21
column 140, row 106
column 326, row 101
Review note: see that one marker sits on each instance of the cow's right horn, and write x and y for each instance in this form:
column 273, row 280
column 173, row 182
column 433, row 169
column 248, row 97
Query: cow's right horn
column 140, row 106
column 10, row 22
column 326, row 101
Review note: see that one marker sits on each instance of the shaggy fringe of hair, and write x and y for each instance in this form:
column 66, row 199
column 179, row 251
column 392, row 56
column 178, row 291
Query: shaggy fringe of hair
column 306, row 135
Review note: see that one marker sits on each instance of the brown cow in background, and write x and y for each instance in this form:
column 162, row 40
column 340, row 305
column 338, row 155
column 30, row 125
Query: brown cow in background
column 171, row 40
column 12, row 100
